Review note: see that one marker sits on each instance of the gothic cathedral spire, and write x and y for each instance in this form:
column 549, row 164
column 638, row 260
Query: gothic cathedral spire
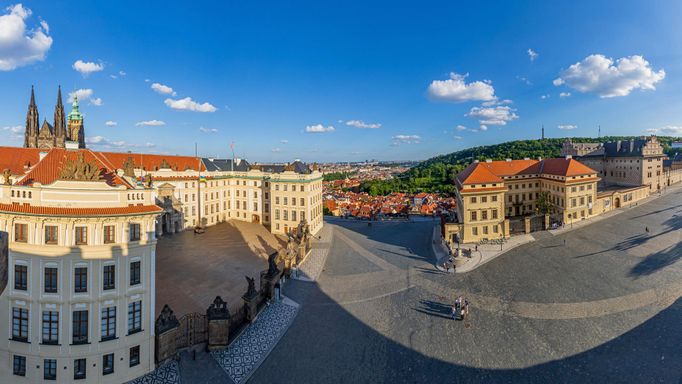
column 32, row 123
column 60, row 135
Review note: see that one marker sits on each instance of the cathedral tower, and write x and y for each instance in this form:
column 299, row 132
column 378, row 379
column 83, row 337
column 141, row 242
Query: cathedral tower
column 76, row 131
column 59, row 122
column 32, row 121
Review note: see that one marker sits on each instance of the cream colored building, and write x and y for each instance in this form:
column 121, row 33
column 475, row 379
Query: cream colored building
column 490, row 192
column 79, row 297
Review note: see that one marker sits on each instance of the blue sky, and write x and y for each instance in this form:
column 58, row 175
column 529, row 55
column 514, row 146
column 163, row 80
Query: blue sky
column 394, row 80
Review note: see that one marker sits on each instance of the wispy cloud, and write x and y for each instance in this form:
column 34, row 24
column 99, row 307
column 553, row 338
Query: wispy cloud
column 532, row 55
column 284, row 141
column 319, row 128
column 208, row 130
column 405, row 139
column 499, row 115
column 150, row 123
column 103, row 142
column 275, row 150
column 567, row 126
column 85, row 95
column 362, row 124
column 111, row 123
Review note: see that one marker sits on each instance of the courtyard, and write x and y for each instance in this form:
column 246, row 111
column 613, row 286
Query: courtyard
column 603, row 307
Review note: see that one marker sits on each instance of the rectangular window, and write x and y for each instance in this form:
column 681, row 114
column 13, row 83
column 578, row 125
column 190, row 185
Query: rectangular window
column 108, row 364
column 276, row 214
column 81, row 235
column 484, row 215
column 473, row 216
column 134, row 355
column 285, row 214
column 485, row 229
column 286, row 201
column 51, row 280
column 50, row 369
column 494, row 228
column 51, row 234
column 20, row 232
column 50, row 327
column 302, row 215
column 293, row 215
column 474, row 231
column 19, row 365
column 108, row 323
column 473, row 199
column 494, row 214
column 255, row 206
column 21, row 277
column 79, row 369
column 134, row 317
column 109, row 234
column 135, row 271
column 109, row 277
column 80, row 327
column 81, row 279
column 134, row 231
column 484, row 199
column 20, row 324
column 493, row 199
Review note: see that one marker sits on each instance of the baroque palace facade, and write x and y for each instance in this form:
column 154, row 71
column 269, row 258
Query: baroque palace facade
column 78, row 232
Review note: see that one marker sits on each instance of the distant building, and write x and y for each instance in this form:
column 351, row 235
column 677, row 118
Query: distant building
column 626, row 163
column 489, row 192
column 57, row 135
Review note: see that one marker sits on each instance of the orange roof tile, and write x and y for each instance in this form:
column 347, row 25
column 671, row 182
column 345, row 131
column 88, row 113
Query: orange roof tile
column 15, row 159
column 153, row 162
column 565, row 167
column 60, row 211
column 491, row 172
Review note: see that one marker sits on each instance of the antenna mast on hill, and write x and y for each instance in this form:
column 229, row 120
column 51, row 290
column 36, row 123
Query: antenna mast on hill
column 543, row 131
column 599, row 131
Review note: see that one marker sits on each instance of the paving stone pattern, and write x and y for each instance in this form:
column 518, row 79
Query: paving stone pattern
column 167, row 373
column 244, row 355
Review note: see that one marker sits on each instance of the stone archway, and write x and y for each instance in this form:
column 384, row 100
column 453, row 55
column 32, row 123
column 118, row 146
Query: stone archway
column 617, row 202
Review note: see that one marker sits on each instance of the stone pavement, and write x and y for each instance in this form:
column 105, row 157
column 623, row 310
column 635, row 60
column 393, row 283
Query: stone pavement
column 313, row 264
column 247, row 352
column 167, row 373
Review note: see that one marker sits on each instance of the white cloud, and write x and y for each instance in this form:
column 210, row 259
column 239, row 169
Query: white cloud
column 498, row 115
column 565, row 94
column 461, row 128
column 405, row 139
column 121, row 73
column 284, row 141
column 20, row 45
column 457, row 137
column 275, row 150
column 86, row 68
column 532, row 54
column 85, row 95
column 567, row 126
column 111, row 123
column 483, row 127
column 150, row 123
column 496, row 102
column 187, row 104
column 103, row 142
column 15, row 132
column 524, row 79
column 543, row 97
column 598, row 74
column 208, row 130
column 672, row 130
column 163, row 89
column 362, row 124
column 319, row 128
column 146, row 80
column 455, row 89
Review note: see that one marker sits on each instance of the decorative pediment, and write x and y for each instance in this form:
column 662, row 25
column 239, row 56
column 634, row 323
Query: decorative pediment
column 80, row 170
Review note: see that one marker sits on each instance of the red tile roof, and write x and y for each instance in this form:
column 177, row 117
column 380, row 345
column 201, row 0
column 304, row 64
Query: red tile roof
column 59, row 211
column 15, row 159
column 492, row 172
column 48, row 170
column 153, row 162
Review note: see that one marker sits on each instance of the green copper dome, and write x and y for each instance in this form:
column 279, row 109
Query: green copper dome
column 75, row 113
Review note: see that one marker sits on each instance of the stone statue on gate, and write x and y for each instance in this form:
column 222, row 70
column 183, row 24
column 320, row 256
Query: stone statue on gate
column 6, row 174
column 251, row 291
column 272, row 264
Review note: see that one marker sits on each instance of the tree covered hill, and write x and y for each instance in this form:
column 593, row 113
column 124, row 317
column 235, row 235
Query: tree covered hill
column 438, row 173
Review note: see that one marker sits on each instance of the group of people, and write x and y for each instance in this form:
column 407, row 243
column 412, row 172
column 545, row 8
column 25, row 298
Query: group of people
column 461, row 308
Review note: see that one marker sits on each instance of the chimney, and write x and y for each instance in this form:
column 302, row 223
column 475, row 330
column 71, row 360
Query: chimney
column 539, row 158
column 507, row 160
column 526, row 158
column 568, row 157
column 475, row 161
column 488, row 160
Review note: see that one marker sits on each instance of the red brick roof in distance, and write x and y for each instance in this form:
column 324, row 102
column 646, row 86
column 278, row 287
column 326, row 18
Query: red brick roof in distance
column 492, row 172
column 48, row 170
column 15, row 159
column 153, row 162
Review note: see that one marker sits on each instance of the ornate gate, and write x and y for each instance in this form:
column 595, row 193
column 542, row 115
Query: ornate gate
column 193, row 329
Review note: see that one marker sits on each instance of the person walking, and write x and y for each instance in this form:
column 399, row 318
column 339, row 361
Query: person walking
column 564, row 242
column 646, row 229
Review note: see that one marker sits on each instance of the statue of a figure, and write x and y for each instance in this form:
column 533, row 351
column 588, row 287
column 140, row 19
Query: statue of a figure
column 6, row 174
column 272, row 264
column 129, row 167
column 149, row 181
column 251, row 291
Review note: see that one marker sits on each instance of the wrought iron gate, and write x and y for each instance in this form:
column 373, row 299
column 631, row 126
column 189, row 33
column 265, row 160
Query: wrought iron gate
column 193, row 329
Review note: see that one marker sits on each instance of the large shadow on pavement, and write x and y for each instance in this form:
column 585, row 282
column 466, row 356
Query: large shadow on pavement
column 327, row 344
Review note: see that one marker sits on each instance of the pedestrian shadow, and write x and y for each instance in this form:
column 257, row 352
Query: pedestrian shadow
column 430, row 271
column 434, row 308
column 657, row 261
